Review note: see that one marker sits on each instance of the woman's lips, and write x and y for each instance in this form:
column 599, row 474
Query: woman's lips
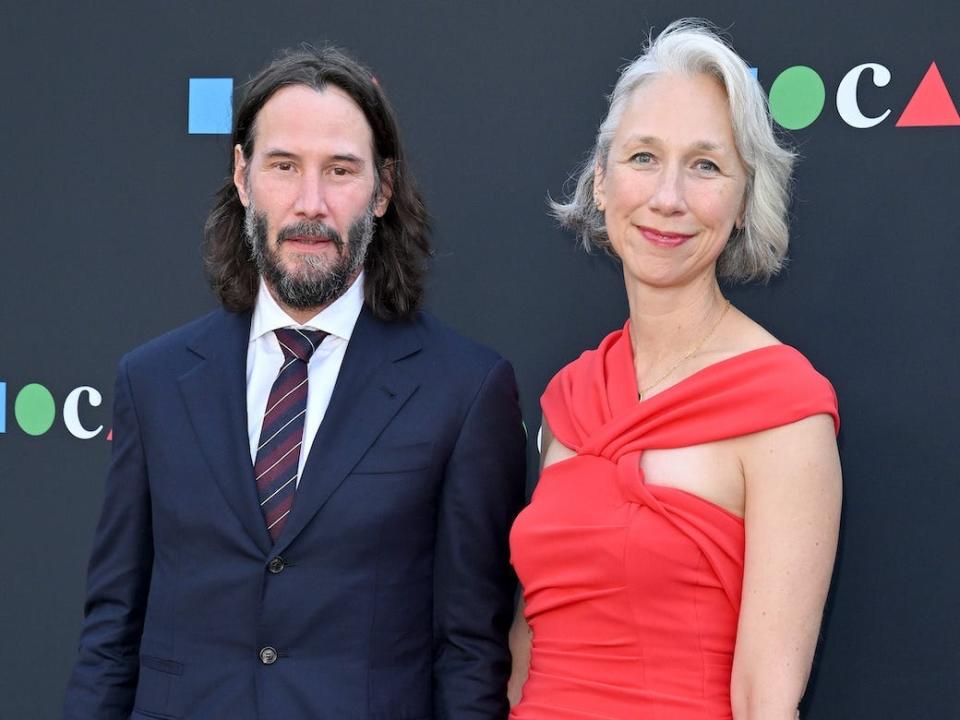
column 663, row 238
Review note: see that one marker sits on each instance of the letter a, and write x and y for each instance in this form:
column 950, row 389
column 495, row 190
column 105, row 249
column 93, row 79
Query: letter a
column 931, row 104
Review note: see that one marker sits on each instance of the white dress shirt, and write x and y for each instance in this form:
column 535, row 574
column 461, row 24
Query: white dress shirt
column 265, row 358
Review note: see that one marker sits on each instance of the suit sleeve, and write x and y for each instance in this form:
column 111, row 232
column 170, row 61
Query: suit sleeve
column 104, row 678
column 474, row 583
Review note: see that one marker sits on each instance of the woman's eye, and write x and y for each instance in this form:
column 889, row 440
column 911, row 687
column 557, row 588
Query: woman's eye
column 641, row 158
column 707, row 166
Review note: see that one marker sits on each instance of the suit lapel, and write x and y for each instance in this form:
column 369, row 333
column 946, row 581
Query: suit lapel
column 214, row 392
column 369, row 391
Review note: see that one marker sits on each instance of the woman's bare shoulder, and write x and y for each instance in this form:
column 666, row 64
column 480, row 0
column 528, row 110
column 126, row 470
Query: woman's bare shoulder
column 738, row 335
column 745, row 334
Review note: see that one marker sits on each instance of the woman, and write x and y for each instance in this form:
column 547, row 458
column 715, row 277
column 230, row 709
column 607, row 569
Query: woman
column 677, row 552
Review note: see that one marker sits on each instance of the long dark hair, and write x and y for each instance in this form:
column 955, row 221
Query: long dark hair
column 396, row 259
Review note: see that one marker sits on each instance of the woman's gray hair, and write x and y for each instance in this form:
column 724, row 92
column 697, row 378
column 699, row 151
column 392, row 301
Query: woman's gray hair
column 756, row 251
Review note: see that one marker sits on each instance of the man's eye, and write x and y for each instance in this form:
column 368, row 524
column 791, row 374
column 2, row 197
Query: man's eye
column 284, row 166
column 641, row 158
column 340, row 171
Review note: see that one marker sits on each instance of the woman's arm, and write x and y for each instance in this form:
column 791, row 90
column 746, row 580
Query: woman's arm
column 551, row 450
column 520, row 637
column 792, row 518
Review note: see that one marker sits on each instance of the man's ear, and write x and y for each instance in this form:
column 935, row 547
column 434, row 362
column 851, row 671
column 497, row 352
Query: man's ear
column 386, row 189
column 240, row 175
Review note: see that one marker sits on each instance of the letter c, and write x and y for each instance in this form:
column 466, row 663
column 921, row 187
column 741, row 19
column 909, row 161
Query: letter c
column 71, row 416
column 847, row 95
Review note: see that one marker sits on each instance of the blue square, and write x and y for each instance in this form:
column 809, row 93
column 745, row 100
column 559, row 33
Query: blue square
column 753, row 71
column 210, row 110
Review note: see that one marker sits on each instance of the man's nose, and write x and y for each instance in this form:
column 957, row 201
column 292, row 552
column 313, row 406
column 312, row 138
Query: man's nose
column 312, row 199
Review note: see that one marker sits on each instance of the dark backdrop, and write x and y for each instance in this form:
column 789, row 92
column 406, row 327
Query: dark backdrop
column 104, row 193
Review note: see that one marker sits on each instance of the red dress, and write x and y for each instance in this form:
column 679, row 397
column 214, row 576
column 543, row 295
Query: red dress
column 633, row 590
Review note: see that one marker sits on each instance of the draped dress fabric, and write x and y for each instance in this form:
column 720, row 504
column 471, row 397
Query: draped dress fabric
column 632, row 590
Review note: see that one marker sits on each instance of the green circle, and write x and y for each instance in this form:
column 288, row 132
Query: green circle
column 35, row 409
column 797, row 97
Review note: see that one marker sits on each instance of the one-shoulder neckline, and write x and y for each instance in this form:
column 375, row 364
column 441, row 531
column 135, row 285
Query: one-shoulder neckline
column 633, row 389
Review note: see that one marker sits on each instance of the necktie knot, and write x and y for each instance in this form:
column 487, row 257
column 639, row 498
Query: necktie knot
column 299, row 344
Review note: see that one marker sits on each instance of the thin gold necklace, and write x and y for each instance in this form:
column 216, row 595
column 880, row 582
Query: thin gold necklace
column 642, row 391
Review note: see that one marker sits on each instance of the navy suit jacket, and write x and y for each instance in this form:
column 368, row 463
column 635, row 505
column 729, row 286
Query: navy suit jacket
column 388, row 595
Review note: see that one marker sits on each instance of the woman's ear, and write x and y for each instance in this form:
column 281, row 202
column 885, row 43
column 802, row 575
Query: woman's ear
column 599, row 196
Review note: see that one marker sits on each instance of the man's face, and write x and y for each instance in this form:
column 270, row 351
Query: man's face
column 309, row 188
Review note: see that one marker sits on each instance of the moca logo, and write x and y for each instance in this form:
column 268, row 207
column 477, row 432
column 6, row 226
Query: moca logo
column 797, row 97
column 35, row 410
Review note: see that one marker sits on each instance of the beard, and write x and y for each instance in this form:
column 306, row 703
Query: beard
column 315, row 281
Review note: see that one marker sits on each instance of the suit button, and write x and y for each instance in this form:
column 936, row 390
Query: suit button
column 276, row 565
column 268, row 656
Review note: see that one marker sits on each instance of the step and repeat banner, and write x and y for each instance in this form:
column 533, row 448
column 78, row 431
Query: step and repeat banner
column 114, row 140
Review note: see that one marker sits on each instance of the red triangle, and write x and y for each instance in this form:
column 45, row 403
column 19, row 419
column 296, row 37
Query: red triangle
column 931, row 104
column 110, row 435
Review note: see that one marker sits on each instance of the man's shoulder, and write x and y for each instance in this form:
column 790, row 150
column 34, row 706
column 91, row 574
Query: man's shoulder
column 172, row 344
column 458, row 369
column 445, row 344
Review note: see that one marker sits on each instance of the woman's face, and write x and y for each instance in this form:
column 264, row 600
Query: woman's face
column 673, row 186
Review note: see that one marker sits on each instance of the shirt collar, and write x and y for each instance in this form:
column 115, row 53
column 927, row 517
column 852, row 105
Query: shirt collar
column 338, row 318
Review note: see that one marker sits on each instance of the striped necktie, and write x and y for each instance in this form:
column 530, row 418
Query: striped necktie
column 281, row 433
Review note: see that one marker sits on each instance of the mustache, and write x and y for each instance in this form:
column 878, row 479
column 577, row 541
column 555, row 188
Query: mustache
column 310, row 229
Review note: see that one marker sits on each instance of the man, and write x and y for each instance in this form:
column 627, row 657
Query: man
column 307, row 511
